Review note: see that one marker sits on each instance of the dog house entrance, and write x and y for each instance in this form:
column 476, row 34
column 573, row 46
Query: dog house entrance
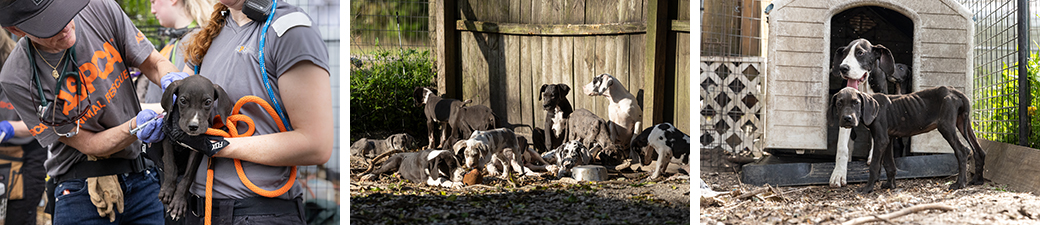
column 881, row 26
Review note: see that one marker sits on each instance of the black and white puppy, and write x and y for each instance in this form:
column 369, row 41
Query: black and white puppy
column 367, row 149
column 667, row 141
column 189, row 115
column 434, row 167
column 892, row 116
column 865, row 67
column 557, row 111
column 483, row 145
column 624, row 111
column 567, row 156
column 438, row 111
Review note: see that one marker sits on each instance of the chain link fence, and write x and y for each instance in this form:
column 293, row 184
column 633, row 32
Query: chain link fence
column 386, row 25
column 996, row 90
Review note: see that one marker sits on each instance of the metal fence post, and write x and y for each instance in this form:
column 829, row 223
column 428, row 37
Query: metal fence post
column 1023, row 72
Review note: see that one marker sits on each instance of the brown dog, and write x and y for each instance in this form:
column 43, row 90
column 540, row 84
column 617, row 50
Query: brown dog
column 893, row 116
column 189, row 114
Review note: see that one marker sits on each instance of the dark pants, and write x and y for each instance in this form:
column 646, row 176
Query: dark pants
column 256, row 210
column 23, row 211
column 140, row 198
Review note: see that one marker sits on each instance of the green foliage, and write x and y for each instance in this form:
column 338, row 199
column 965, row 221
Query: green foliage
column 1002, row 122
column 381, row 93
column 387, row 21
column 140, row 13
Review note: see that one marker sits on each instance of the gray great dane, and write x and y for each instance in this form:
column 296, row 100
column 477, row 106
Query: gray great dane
column 892, row 116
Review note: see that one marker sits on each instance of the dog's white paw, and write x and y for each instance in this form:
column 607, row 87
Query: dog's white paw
column 367, row 177
column 838, row 178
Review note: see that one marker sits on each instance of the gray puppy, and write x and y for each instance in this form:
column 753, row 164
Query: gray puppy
column 366, row 149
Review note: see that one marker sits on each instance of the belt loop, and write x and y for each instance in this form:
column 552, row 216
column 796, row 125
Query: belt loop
column 227, row 211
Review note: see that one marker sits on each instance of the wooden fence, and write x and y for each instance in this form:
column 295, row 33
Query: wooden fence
column 499, row 53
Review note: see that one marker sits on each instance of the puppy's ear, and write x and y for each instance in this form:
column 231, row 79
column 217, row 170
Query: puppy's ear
column 459, row 146
column 869, row 109
column 167, row 97
column 885, row 60
column 224, row 103
column 542, row 91
column 564, row 88
column 839, row 54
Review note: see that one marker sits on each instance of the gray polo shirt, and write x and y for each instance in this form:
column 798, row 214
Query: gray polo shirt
column 106, row 44
column 232, row 62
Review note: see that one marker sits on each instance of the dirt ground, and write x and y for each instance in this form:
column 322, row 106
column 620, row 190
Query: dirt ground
column 989, row 203
column 624, row 199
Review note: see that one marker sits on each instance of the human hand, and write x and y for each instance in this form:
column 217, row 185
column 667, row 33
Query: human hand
column 6, row 131
column 148, row 127
column 171, row 77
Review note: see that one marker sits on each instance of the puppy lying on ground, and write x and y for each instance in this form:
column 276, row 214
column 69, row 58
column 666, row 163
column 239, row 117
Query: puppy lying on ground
column 434, row 167
column 568, row 156
column 482, row 146
column 189, row 115
column 367, row 149
column 532, row 163
column 667, row 141
column 892, row 116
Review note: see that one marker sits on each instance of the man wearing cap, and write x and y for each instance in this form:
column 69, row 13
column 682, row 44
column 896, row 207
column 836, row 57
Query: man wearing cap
column 67, row 78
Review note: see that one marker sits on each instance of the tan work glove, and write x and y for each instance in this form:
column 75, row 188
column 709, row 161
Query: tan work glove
column 106, row 194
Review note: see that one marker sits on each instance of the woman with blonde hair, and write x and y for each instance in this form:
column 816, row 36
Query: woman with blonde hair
column 178, row 18
column 266, row 49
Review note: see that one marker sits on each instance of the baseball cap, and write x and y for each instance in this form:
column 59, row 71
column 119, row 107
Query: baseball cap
column 40, row 18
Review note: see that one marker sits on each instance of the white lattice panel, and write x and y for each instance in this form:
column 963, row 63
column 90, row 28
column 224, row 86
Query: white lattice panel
column 731, row 94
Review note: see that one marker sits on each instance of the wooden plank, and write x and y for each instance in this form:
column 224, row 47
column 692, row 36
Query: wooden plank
column 681, row 25
column 795, row 174
column 584, row 70
column 636, row 64
column 684, row 11
column 682, row 82
column 516, row 11
column 601, row 11
column 515, row 95
column 574, row 12
column 656, row 57
column 1013, row 165
column 538, row 73
column 494, row 52
column 445, row 39
column 530, row 105
column 551, row 29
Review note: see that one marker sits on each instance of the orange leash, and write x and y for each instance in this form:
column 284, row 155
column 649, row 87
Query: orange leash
column 233, row 132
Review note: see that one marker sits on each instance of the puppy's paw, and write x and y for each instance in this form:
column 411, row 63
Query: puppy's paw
column 368, row 177
column 166, row 195
column 178, row 207
column 957, row 185
column 866, row 189
column 888, row 185
column 838, row 178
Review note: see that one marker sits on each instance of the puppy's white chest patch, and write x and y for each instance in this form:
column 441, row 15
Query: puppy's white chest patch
column 558, row 125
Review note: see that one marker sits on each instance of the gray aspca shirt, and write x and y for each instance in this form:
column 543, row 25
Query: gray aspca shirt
column 106, row 44
column 232, row 62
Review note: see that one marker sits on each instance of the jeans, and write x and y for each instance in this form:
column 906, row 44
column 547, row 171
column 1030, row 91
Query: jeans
column 140, row 198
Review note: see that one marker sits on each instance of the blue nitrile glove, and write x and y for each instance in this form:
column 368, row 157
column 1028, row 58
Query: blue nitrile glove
column 171, row 77
column 7, row 130
column 150, row 131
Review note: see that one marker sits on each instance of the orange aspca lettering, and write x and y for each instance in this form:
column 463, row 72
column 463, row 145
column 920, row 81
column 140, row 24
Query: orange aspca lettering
column 140, row 37
column 6, row 105
column 39, row 128
column 71, row 100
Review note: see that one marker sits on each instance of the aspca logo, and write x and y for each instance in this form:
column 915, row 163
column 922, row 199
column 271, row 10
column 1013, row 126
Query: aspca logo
column 6, row 105
column 140, row 37
column 102, row 64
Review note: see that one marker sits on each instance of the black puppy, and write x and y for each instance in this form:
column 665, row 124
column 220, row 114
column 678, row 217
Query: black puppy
column 438, row 111
column 557, row 111
column 188, row 116
column 431, row 166
column 892, row 116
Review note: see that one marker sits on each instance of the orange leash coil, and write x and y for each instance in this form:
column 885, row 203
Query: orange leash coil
column 230, row 123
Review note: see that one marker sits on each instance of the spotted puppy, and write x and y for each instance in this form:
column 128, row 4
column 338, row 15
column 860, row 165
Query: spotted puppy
column 367, row 149
column 482, row 146
column 431, row 166
column 533, row 164
column 669, row 143
column 624, row 111
column 568, row 156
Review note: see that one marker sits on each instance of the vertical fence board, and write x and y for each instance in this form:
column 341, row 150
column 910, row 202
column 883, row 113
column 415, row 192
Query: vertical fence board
column 537, row 72
column 635, row 61
column 681, row 116
column 584, row 70
column 513, row 92
column 529, row 91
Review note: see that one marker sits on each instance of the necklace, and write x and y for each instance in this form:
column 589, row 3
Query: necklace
column 54, row 69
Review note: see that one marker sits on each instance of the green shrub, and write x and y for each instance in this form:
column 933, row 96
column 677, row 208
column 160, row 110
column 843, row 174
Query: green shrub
column 1003, row 97
column 381, row 93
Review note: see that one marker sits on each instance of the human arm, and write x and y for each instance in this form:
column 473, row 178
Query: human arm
column 155, row 66
column 307, row 98
column 104, row 143
column 20, row 130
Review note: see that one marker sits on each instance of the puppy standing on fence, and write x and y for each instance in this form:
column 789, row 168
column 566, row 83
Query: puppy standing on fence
column 865, row 67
